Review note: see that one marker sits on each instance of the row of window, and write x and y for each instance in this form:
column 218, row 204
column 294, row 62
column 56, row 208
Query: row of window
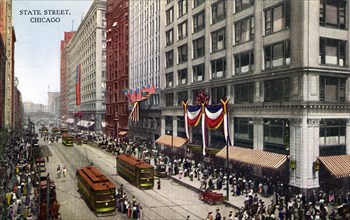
column 276, row 134
column 218, row 70
column 332, row 13
column 218, row 14
column 331, row 89
column 277, row 18
column 332, row 52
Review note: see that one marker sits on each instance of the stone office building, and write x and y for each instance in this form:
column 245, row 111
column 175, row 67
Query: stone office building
column 283, row 65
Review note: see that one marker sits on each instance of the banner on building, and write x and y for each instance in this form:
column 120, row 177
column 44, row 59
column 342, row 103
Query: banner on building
column 211, row 116
column 77, row 85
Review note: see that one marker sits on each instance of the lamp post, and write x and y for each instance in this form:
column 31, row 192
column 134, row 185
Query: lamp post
column 172, row 141
column 116, row 123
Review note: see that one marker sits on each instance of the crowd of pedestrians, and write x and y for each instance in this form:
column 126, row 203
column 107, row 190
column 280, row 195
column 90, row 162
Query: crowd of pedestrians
column 18, row 176
column 285, row 202
column 128, row 206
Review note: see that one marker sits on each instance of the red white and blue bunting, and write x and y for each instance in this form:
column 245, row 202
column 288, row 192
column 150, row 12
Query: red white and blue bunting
column 212, row 117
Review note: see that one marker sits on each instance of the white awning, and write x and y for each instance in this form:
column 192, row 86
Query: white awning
column 70, row 120
column 85, row 123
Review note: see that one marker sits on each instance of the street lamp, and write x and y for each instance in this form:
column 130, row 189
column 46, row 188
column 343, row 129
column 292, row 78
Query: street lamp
column 172, row 140
column 116, row 123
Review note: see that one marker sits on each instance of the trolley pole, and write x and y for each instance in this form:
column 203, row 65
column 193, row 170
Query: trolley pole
column 48, row 197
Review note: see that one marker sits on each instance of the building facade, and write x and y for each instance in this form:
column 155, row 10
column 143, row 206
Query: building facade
column 87, row 50
column 2, row 80
column 28, row 107
column 51, row 102
column 7, row 34
column 117, row 32
column 144, row 67
column 18, row 109
column 64, row 74
column 283, row 65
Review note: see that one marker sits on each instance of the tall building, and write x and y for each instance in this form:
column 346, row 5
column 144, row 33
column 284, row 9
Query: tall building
column 3, row 59
column 64, row 74
column 56, row 105
column 28, row 107
column 87, row 67
column 144, row 64
column 7, row 33
column 117, row 32
column 40, row 108
column 2, row 79
column 283, row 65
column 18, row 109
column 51, row 103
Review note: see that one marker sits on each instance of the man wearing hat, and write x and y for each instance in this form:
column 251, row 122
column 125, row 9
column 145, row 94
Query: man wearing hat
column 218, row 215
column 230, row 216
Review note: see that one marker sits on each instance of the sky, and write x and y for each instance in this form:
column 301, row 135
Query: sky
column 39, row 27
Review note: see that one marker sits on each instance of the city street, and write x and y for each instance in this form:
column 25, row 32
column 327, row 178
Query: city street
column 172, row 201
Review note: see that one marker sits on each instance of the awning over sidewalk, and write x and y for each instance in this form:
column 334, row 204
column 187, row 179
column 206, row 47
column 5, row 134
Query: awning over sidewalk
column 339, row 165
column 170, row 141
column 69, row 120
column 254, row 157
column 85, row 124
column 122, row 133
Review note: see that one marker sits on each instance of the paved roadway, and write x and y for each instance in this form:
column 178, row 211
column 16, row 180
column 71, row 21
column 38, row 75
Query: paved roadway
column 173, row 201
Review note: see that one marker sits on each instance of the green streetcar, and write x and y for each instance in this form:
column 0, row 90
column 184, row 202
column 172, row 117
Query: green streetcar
column 137, row 172
column 67, row 139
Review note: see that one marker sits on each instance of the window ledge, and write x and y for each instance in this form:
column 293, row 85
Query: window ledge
column 285, row 29
column 333, row 65
column 217, row 51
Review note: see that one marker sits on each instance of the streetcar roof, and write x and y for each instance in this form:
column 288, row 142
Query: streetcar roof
column 134, row 161
column 95, row 178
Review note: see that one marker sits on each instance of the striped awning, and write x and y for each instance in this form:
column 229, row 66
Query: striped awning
column 339, row 165
column 170, row 141
column 254, row 157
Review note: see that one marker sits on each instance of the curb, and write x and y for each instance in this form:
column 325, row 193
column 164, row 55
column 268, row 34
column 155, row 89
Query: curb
column 195, row 189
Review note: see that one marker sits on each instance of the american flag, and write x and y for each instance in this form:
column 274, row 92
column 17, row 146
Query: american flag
column 135, row 112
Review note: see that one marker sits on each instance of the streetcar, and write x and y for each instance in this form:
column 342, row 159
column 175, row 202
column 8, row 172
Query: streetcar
column 63, row 130
column 67, row 139
column 97, row 190
column 55, row 130
column 137, row 172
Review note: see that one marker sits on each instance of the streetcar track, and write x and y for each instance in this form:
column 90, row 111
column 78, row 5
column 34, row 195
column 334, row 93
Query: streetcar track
column 81, row 155
column 148, row 211
column 176, row 205
column 164, row 205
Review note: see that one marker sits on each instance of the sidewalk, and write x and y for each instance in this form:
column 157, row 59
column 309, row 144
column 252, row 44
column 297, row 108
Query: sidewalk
column 234, row 201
